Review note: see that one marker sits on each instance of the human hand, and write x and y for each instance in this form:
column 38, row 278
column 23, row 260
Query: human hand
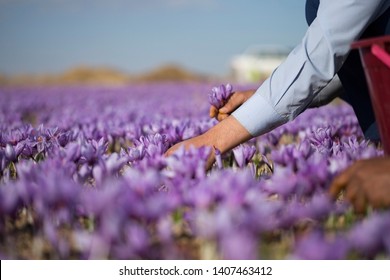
column 196, row 142
column 224, row 136
column 235, row 101
column 366, row 182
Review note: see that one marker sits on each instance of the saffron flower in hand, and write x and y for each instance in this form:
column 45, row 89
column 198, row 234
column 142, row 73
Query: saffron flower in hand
column 220, row 95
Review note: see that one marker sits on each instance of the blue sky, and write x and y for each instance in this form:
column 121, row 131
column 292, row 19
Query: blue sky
column 50, row 36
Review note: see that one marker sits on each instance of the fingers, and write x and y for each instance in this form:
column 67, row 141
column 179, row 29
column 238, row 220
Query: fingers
column 349, row 181
column 360, row 203
column 338, row 184
column 365, row 183
column 341, row 181
column 233, row 103
column 213, row 112
column 356, row 195
column 221, row 117
column 378, row 190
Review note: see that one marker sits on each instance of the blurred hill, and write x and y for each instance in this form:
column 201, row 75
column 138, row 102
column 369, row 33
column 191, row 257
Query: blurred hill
column 84, row 75
column 169, row 73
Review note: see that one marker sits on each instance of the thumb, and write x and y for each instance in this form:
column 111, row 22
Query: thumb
column 226, row 109
column 233, row 103
column 213, row 112
column 221, row 117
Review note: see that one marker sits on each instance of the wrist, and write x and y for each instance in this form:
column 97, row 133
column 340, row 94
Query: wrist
column 226, row 135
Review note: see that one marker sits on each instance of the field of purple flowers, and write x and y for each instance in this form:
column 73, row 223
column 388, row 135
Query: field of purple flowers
column 83, row 176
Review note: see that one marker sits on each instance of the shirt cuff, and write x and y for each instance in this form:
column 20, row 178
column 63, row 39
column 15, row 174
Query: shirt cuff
column 257, row 115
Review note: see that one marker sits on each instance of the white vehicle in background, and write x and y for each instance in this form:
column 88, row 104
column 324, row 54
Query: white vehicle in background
column 257, row 62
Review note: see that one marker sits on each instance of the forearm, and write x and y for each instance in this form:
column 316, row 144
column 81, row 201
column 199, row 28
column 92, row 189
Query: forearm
column 310, row 67
column 226, row 135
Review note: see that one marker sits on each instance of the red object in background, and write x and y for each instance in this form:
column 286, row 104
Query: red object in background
column 375, row 56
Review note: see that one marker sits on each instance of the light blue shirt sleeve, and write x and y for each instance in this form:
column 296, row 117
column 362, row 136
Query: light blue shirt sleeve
column 310, row 66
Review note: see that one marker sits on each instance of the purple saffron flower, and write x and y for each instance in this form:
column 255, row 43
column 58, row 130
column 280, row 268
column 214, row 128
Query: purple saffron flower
column 98, row 174
column 3, row 161
column 238, row 245
column 367, row 237
column 338, row 162
column 200, row 197
column 136, row 153
column 218, row 158
column 137, row 236
column 220, row 95
column 293, row 212
column 128, row 201
column 188, row 163
column 50, row 231
column 322, row 140
column 73, row 151
column 306, row 149
column 10, row 153
column 320, row 206
column 279, row 185
column 318, row 246
column 153, row 145
column 243, row 154
column 164, row 229
column 204, row 224
column 110, row 224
